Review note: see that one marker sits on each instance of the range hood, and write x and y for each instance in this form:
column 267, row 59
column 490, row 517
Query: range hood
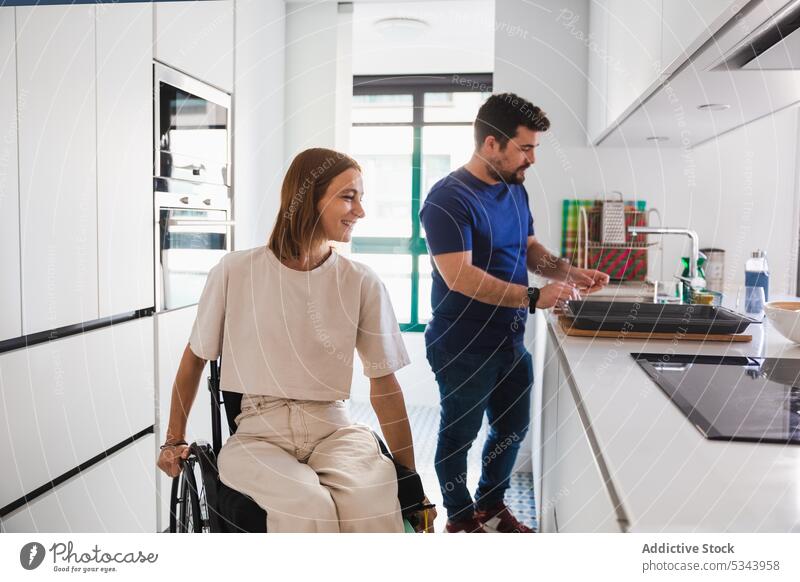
column 773, row 45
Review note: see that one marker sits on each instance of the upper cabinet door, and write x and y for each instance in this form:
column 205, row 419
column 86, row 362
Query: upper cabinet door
column 10, row 306
column 125, row 157
column 197, row 38
column 685, row 22
column 57, row 165
column 634, row 52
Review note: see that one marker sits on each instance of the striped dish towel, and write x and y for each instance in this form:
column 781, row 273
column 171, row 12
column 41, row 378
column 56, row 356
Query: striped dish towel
column 620, row 264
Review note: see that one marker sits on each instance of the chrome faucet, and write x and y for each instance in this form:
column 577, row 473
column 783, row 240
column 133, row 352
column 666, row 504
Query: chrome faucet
column 695, row 281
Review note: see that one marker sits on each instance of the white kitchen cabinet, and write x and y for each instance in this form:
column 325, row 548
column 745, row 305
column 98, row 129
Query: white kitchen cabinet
column 124, row 157
column 115, row 496
column 197, row 38
column 67, row 400
column 10, row 306
column 634, row 43
column 574, row 495
column 582, row 502
column 57, row 165
column 548, row 488
column 634, row 52
column 683, row 23
column 172, row 334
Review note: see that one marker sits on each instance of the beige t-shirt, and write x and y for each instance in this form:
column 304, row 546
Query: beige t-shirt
column 293, row 334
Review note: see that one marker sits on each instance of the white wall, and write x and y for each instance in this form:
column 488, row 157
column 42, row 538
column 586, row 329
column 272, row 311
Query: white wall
column 310, row 90
column 746, row 198
column 258, row 118
column 344, row 77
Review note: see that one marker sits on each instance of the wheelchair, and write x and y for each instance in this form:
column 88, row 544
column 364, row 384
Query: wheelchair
column 201, row 503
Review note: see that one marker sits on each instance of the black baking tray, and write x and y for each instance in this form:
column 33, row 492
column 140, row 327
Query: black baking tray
column 655, row 317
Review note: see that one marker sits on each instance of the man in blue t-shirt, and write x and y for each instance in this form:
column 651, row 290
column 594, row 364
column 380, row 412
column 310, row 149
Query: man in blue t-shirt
column 479, row 231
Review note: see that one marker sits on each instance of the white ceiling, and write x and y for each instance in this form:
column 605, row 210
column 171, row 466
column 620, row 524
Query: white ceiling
column 459, row 38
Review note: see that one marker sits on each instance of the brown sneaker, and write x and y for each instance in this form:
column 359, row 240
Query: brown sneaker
column 499, row 519
column 469, row 525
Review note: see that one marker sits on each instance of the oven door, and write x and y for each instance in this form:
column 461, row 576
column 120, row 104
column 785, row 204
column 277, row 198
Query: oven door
column 191, row 241
column 192, row 122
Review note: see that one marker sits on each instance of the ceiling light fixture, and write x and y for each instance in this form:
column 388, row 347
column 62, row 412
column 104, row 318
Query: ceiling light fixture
column 401, row 28
column 713, row 107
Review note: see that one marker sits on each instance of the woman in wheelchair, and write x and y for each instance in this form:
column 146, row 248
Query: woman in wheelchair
column 286, row 318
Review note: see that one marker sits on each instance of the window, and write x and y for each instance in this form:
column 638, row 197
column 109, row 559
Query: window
column 408, row 133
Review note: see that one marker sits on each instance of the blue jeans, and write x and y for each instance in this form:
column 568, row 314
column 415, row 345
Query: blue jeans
column 469, row 385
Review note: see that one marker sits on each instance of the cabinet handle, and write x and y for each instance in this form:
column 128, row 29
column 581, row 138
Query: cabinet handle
column 193, row 167
column 179, row 222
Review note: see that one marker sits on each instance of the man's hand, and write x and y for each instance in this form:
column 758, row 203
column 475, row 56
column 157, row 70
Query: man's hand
column 556, row 293
column 545, row 264
column 587, row 280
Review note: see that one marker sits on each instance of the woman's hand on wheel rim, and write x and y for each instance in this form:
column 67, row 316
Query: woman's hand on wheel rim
column 169, row 460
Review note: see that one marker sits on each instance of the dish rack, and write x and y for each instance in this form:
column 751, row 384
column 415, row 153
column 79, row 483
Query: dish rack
column 590, row 229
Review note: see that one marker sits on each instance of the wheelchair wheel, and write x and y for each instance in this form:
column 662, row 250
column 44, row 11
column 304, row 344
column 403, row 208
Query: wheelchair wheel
column 189, row 505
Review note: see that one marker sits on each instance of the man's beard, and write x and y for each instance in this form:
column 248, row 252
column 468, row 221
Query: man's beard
column 516, row 177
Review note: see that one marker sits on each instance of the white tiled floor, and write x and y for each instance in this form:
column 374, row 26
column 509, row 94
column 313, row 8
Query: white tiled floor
column 425, row 426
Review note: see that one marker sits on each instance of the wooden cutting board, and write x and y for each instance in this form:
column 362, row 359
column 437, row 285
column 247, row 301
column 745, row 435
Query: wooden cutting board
column 566, row 325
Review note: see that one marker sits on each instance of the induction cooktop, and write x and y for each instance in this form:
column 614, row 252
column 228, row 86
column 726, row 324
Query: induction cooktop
column 732, row 398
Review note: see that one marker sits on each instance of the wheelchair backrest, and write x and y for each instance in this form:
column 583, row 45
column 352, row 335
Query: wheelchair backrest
column 233, row 406
column 230, row 401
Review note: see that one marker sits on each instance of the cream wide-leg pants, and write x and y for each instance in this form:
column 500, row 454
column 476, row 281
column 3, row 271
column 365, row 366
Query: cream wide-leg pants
column 310, row 468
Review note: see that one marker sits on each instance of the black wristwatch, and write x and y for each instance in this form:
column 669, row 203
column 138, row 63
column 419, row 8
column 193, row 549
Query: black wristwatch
column 533, row 297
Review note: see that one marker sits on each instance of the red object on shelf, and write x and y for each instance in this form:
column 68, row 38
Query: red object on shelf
column 622, row 264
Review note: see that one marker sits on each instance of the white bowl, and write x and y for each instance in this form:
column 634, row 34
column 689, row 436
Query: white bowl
column 785, row 317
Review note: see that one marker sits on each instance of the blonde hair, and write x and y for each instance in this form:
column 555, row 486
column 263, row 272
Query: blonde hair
column 306, row 180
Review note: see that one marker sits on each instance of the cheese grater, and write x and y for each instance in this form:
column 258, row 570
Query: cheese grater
column 613, row 223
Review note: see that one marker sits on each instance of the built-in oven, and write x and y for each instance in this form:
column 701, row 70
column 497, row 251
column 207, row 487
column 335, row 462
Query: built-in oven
column 193, row 230
column 192, row 194
column 192, row 123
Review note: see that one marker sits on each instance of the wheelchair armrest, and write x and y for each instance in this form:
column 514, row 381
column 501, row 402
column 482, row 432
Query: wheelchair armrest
column 410, row 492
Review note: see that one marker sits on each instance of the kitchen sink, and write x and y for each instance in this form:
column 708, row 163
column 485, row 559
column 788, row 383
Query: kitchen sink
column 640, row 291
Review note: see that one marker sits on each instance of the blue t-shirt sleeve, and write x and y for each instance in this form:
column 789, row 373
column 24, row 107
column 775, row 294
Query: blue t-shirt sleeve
column 530, row 222
column 530, row 215
column 447, row 222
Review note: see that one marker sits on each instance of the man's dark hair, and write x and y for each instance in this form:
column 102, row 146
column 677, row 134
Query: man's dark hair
column 502, row 114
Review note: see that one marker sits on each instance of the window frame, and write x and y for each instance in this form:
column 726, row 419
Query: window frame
column 416, row 86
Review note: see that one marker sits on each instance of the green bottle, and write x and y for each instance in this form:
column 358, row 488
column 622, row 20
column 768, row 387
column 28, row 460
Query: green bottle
column 701, row 260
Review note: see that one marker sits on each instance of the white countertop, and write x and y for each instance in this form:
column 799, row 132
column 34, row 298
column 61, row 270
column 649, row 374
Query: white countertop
column 667, row 475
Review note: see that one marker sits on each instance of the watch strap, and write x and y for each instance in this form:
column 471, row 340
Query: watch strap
column 533, row 298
